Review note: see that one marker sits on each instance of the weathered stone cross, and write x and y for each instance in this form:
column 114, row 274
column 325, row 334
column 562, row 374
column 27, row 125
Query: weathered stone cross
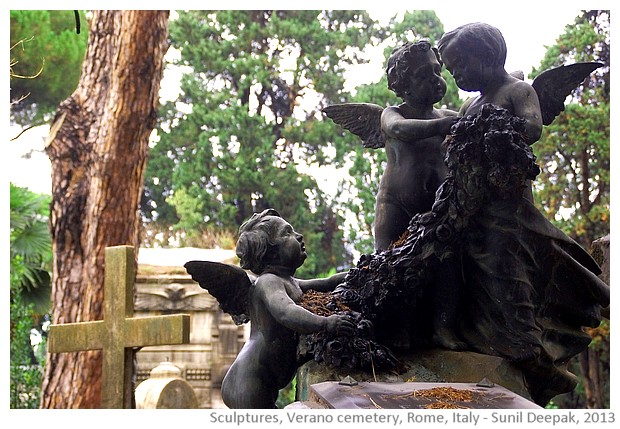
column 118, row 332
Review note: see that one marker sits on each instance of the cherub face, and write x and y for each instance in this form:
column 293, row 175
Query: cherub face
column 467, row 70
column 290, row 244
column 426, row 83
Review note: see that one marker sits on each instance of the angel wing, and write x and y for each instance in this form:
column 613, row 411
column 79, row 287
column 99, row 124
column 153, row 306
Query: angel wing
column 229, row 284
column 362, row 119
column 554, row 85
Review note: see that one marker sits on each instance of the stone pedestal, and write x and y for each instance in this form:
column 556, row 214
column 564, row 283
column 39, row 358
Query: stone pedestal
column 430, row 366
column 413, row 395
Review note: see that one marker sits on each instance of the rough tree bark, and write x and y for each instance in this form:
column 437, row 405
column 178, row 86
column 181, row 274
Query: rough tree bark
column 590, row 360
column 97, row 145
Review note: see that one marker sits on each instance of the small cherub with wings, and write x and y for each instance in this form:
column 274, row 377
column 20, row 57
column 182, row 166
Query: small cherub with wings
column 269, row 247
column 513, row 260
column 475, row 55
column 411, row 133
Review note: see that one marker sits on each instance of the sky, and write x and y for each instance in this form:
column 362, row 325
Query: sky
column 526, row 46
column 527, row 30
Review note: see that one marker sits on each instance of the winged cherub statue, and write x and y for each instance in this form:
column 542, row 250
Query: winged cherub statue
column 412, row 132
column 484, row 261
column 272, row 301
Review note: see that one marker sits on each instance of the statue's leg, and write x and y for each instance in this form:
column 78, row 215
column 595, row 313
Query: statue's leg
column 248, row 393
column 391, row 221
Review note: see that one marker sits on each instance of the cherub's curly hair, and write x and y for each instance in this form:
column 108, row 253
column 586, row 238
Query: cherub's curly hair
column 255, row 239
column 399, row 64
column 479, row 40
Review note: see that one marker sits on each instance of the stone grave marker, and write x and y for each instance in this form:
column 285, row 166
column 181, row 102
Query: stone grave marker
column 119, row 332
column 165, row 389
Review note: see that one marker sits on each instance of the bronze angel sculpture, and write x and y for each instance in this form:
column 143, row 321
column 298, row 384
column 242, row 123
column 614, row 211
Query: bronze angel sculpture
column 482, row 269
column 463, row 258
column 412, row 132
column 272, row 302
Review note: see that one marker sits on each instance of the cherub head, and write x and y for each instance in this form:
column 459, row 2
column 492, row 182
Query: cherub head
column 414, row 73
column 267, row 240
column 471, row 51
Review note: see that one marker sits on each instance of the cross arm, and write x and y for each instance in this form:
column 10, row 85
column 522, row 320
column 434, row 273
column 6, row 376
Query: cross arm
column 75, row 337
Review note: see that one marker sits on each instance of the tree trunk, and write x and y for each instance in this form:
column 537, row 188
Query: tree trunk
column 590, row 360
column 97, row 146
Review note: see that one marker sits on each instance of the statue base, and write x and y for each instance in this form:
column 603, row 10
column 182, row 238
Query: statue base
column 424, row 366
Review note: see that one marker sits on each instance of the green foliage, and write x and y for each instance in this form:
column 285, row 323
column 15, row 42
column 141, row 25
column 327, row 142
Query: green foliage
column 414, row 26
column 26, row 373
column 31, row 246
column 252, row 124
column 30, row 260
column 44, row 44
column 551, row 406
column 573, row 187
column 587, row 39
column 574, row 154
column 287, row 395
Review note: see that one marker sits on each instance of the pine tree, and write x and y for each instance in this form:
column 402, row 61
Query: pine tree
column 97, row 146
column 248, row 116
column 44, row 44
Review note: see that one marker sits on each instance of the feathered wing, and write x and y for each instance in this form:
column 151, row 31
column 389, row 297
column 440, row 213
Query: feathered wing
column 229, row 284
column 362, row 119
column 554, row 85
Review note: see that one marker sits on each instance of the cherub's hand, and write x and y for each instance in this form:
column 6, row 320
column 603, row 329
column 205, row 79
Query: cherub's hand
column 340, row 325
column 446, row 123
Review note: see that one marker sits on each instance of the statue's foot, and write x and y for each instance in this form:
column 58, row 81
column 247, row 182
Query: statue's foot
column 446, row 339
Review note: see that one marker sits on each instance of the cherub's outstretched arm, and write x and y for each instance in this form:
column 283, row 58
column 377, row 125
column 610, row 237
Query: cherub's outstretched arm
column 395, row 125
column 322, row 285
column 465, row 106
column 285, row 311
